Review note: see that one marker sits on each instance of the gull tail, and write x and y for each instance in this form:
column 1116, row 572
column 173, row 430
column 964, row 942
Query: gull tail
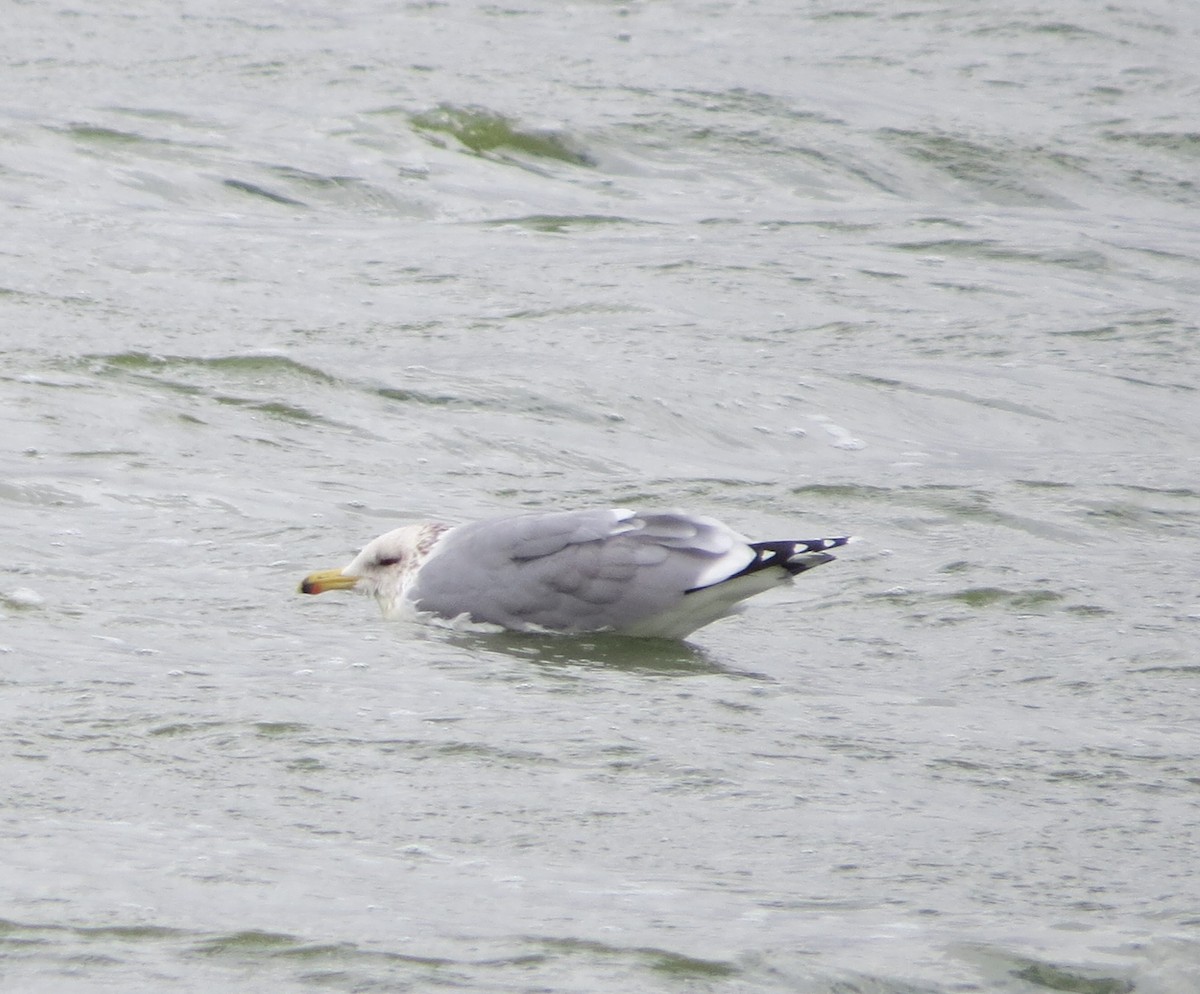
column 794, row 556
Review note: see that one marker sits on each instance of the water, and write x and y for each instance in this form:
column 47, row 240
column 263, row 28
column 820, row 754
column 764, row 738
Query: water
column 277, row 278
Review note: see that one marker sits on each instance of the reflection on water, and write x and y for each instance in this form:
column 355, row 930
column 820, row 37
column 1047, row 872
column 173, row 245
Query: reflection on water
column 649, row 656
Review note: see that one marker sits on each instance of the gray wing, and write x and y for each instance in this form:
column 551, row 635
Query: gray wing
column 576, row 570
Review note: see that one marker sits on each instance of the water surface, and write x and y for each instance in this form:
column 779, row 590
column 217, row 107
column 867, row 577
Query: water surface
column 277, row 279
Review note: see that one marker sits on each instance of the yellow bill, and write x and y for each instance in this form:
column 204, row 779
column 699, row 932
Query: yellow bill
column 326, row 579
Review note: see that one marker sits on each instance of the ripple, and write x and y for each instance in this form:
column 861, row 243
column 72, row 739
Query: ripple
column 483, row 131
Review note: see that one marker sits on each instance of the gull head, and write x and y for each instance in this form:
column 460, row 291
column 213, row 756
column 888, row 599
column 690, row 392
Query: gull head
column 383, row 569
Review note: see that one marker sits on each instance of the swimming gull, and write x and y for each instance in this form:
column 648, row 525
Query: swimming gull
column 657, row 574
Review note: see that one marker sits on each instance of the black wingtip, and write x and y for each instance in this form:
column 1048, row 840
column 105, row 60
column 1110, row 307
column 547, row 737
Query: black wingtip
column 796, row 555
column 804, row 561
column 818, row 544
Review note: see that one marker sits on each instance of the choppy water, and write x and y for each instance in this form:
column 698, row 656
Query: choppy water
column 276, row 277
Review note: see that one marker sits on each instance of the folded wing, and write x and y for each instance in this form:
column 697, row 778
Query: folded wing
column 579, row 570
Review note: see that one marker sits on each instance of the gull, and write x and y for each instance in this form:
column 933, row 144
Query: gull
column 653, row 574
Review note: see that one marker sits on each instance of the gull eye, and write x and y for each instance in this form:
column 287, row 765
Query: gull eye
column 388, row 560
